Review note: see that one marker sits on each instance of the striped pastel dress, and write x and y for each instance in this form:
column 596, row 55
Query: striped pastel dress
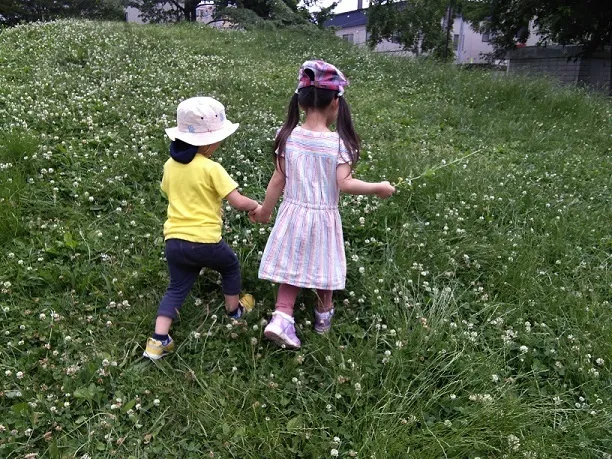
column 306, row 247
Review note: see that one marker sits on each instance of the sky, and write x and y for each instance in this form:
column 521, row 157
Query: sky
column 345, row 5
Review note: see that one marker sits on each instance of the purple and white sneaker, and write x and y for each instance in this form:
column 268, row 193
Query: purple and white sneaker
column 323, row 321
column 281, row 330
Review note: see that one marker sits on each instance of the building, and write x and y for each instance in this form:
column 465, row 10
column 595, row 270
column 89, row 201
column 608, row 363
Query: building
column 470, row 46
column 352, row 27
column 205, row 11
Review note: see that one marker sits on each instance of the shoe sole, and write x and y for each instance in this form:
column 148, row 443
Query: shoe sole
column 322, row 331
column 279, row 340
column 152, row 356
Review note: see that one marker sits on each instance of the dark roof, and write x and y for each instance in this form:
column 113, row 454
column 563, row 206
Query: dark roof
column 348, row 19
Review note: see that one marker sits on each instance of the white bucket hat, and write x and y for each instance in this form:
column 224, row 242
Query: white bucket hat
column 201, row 121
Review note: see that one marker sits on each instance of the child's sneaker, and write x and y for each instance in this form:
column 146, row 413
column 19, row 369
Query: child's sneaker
column 323, row 321
column 246, row 304
column 155, row 349
column 281, row 330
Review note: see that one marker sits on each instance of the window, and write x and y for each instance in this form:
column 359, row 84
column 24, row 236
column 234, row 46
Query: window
column 486, row 38
column 348, row 37
column 456, row 41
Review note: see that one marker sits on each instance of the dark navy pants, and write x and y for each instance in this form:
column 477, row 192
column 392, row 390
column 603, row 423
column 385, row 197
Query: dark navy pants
column 185, row 261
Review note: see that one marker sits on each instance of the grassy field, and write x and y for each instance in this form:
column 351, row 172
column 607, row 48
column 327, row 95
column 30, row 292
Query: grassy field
column 476, row 322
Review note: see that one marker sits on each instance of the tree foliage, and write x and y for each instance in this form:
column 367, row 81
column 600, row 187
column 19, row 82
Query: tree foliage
column 417, row 25
column 166, row 10
column 16, row 11
column 249, row 13
column 587, row 23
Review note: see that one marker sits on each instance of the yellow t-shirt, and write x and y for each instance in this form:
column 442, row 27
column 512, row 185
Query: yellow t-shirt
column 194, row 192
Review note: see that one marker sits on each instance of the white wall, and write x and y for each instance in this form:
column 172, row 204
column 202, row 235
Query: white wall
column 133, row 15
column 360, row 38
column 470, row 46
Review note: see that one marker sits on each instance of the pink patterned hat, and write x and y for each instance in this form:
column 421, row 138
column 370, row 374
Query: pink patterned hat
column 326, row 76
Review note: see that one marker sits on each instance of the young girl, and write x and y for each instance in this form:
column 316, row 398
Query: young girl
column 195, row 186
column 313, row 164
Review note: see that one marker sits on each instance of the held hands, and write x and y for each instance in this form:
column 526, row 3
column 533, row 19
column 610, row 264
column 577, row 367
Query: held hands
column 385, row 190
column 258, row 215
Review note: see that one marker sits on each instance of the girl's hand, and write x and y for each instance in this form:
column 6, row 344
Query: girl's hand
column 385, row 190
column 258, row 215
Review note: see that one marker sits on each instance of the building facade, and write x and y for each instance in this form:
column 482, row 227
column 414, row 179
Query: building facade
column 470, row 46
column 205, row 11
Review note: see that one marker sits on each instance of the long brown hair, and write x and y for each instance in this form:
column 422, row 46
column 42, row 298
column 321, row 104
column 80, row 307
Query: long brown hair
column 319, row 99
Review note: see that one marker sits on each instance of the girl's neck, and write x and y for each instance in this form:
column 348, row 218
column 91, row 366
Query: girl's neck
column 316, row 121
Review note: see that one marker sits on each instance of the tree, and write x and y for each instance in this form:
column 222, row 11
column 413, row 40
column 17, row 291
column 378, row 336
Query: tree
column 16, row 11
column 166, row 10
column 587, row 23
column 174, row 10
column 415, row 24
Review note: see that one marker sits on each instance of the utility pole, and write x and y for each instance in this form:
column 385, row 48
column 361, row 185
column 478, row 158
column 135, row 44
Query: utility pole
column 448, row 26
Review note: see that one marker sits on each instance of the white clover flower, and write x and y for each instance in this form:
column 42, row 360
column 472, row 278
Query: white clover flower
column 524, row 349
column 334, row 452
column 600, row 362
column 19, row 374
column 156, row 402
column 513, row 442
column 357, row 387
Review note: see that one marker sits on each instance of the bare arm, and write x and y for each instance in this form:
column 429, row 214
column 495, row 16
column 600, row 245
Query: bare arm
column 350, row 185
column 237, row 201
column 275, row 189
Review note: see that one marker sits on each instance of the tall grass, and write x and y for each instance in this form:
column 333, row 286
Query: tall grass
column 476, row 319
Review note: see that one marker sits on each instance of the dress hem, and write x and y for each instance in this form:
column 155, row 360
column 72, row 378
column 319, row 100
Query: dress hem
column 280, row 280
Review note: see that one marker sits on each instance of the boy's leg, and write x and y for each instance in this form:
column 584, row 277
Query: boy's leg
column 182, row 277
column 222, row 259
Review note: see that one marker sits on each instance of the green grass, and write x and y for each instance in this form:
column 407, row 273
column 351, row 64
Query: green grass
column 480, row 326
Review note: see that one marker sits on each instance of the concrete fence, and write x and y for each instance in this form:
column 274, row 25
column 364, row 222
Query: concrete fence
column 564, row 64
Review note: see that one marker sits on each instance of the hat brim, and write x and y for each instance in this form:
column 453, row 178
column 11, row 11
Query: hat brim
column 203, row 138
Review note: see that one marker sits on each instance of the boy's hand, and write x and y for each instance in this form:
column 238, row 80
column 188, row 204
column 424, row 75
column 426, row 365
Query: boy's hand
column 385, row 190
column 259, row 216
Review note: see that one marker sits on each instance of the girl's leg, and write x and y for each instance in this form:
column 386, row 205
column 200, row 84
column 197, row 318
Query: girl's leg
column 324, row 311
column 324, row 300
column 281, row 328
column 285, row 301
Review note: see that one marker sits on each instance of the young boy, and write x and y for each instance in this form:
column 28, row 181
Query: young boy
column 195, row 186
